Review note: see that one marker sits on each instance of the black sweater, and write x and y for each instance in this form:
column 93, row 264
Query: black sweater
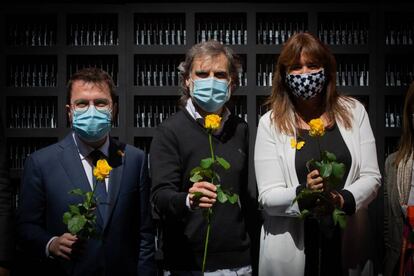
column 177, row 147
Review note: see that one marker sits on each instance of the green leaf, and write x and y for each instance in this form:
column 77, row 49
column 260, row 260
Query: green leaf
column 74, row 209
column 306, row 194
column 309, row 164
column 325, row 170
column 76, row 224
column 197, row 195
column 339, row 217
column 233, row 198
column 89, row 197
column 77, row 192
column 221, row 196
column 304, row 214
column 196, row 178
column 206, row 163
column 83, row 208
column 66, row 217
column 338, row 170
column 329, row 156
column 216, row 178
column 196, row 170
column 87, row 205
column 317, row 165
column 204, row 173
column 223, row 162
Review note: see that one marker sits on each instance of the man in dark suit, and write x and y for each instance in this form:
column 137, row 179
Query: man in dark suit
column 6, row 211
column 126, row 243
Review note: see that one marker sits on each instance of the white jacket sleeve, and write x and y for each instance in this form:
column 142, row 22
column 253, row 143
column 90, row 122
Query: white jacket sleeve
column 276, row 192
column 365, row 186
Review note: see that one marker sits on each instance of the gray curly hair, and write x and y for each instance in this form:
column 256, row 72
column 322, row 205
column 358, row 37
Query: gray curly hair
column 209, row 48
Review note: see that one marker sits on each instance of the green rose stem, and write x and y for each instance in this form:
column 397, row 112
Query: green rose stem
column 90, row 199
column 211, row 146
column 320, row 158
column 206, row 242
column 319, row 147
column 208, row 210
column 89, row 209
column 93, row 192
column 319, row 232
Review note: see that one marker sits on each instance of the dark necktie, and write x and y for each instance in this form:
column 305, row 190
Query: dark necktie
column 100, row 190
column 200, row 121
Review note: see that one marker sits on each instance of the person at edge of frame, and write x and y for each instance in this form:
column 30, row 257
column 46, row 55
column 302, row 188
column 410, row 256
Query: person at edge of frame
column 399, row 198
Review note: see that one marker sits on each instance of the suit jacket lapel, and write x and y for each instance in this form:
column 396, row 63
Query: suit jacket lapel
column 116, row 161
column 73, row 165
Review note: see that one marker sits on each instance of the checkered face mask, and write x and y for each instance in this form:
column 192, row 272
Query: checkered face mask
column 307, row 85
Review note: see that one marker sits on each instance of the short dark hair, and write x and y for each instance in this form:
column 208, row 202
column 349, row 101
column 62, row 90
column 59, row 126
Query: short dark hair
column 93, row 75
column 211, row 48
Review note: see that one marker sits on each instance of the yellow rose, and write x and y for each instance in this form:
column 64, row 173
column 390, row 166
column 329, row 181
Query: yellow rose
column 296, row 145
column 317, row 127
column 102, row 169
column 212, row 122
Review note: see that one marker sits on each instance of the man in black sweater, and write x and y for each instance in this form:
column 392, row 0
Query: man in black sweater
column 209, row 75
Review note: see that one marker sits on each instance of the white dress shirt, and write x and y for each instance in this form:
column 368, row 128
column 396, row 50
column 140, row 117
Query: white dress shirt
column 84, row 150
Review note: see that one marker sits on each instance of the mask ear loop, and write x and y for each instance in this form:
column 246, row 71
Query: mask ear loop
column 191, row 90
column 228, row 91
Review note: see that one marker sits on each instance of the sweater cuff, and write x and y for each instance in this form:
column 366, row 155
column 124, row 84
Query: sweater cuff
column 299, row 189
column 301, row 204
column 179, row 204
column 349, row 202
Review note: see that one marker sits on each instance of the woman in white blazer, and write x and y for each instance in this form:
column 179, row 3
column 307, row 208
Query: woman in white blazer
column 304, row 88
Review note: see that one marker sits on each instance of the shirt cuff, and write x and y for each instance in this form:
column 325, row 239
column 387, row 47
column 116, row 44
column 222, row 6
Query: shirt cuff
column 47, row 247
column 187, row 202
column 349, row 202
column 301, row 204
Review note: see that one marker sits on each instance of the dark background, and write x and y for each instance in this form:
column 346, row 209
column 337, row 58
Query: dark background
column 378, row 95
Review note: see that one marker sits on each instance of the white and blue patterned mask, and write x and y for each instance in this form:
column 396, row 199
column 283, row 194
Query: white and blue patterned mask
column 307, row 85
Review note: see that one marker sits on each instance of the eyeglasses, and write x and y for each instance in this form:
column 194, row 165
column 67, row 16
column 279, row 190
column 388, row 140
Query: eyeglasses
column 101, row 105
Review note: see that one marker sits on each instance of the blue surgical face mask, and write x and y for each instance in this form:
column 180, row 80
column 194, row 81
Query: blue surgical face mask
column 92, row 125
column 210, row 93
